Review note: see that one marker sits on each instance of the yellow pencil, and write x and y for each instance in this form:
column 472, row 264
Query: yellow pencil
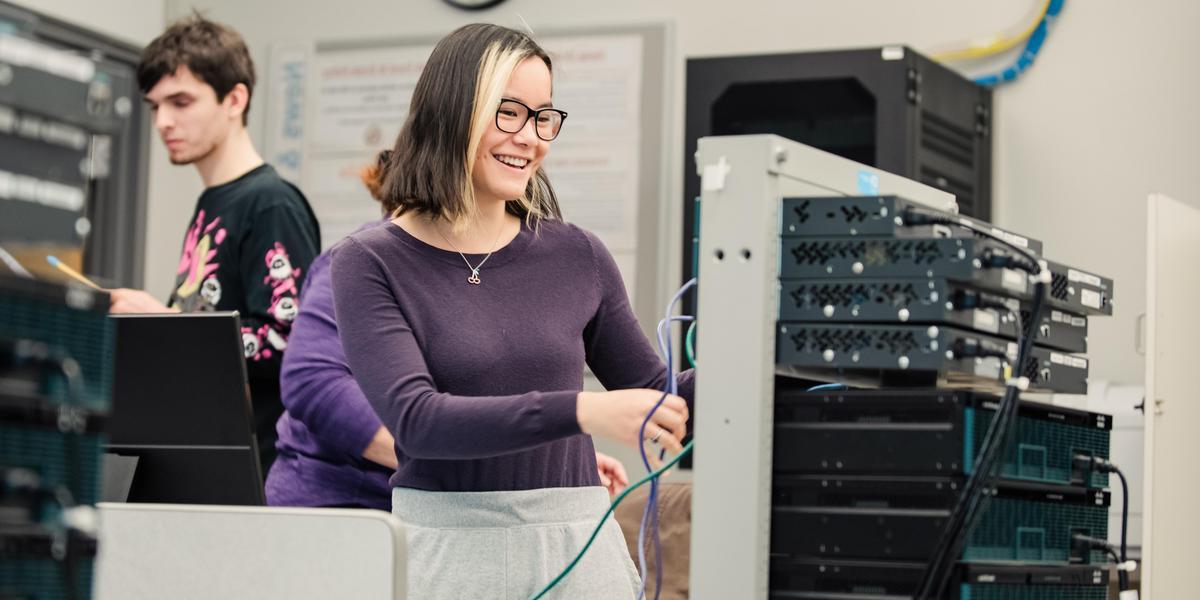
column 72, row 273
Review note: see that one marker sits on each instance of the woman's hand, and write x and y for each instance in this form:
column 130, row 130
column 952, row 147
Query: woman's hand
column 618, row 416
column 612, row 474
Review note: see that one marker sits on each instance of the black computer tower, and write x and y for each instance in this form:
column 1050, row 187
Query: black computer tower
column 889, row 107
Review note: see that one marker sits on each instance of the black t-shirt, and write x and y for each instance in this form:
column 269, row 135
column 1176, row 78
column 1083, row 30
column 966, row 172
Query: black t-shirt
column 247, row 248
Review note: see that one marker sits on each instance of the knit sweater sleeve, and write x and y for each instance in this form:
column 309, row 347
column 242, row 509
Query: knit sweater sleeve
column 617, row 350
column 316, row 384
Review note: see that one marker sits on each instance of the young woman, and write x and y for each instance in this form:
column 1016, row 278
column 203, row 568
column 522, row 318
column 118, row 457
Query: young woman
column 468, row 320
column 332, row 449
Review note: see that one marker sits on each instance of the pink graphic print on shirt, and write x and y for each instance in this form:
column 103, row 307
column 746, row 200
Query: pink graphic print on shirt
column 252, row 345
column 281, row 277
column 196, row 264
column 280, row 274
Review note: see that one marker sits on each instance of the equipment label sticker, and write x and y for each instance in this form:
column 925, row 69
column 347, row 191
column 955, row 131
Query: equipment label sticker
column 1068, row 360
column 868, row 183
column 986, row 320
column 1065, row 319
column 1088, row 278
column 1013, row 280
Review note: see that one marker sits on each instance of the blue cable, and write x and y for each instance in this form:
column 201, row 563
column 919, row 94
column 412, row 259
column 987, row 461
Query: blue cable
column 1032, row 47
column 828, row 386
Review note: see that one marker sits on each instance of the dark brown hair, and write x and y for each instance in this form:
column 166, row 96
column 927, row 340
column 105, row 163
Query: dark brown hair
column 214, row 53
column 454, row 100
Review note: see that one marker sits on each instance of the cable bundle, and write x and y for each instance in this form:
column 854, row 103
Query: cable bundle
column 1032, row 47
column 973, row 499
column 1034, row 35
column 650, row 515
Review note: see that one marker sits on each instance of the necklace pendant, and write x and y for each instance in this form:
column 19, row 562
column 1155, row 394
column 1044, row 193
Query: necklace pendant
column 474, row 278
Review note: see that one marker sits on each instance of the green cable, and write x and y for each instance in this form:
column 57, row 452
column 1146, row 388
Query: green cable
column 689, row 344
column 611, row 508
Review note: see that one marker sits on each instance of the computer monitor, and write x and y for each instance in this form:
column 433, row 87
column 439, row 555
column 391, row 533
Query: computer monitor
column 181, row 407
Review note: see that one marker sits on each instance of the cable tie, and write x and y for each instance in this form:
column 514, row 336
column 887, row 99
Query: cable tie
column 1021, row 383
column 1043, row 274
column 82, row 518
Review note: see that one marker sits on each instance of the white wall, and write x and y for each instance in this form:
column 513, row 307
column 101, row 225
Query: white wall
column 1106, row 117
column 1100, row 121
column 132, row 21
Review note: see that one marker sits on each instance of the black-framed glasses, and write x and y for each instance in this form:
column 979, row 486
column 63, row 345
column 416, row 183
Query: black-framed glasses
column 512, row 115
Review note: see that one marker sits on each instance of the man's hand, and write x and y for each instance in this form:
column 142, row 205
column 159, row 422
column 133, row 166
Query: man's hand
column 127, row 301
column 612, row 474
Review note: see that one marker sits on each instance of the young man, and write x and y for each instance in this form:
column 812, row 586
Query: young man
column 253, row 235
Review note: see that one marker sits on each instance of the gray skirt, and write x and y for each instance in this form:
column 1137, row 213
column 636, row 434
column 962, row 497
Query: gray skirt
column 511, row 544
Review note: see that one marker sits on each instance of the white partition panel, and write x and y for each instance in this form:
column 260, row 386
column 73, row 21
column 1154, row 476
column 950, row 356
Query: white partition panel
column 254, row 553
column 1172, row 473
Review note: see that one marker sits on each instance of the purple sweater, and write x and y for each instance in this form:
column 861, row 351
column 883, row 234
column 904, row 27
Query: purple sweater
column 328, row 422
column 478, row 382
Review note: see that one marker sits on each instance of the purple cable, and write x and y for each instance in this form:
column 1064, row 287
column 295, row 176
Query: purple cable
column 650, row 514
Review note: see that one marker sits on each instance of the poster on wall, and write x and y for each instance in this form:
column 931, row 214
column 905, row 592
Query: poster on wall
column 352, row 106
column 286, row 92
column 355, row 100
column 594, row 162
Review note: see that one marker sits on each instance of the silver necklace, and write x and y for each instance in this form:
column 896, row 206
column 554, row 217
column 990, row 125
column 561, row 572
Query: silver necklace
column 474, row 278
